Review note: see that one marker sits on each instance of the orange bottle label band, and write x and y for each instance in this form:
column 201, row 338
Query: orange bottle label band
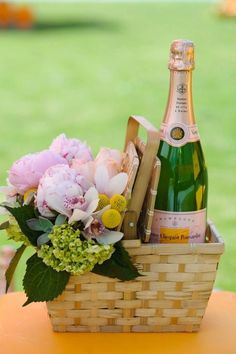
column 178, row 227
column 172, row 235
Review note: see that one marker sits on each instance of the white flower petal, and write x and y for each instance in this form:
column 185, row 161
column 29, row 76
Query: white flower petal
column 78, row 215
column 98, row 214
column 117, row 184
column 92, row 206
column 101, row 179
column 109, row 237
column 55, row 202
column 88, row 222
column 91, row 195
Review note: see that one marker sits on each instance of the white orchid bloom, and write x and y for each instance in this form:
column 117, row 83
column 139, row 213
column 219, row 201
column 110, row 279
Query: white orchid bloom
column 85, row 211
column 93, row 227
column 110, row 185
column 108, row 237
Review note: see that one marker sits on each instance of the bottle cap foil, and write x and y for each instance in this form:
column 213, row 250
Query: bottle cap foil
column 181, row 55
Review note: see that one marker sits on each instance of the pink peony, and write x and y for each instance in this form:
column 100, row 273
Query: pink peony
column 111, row 159
column 60, row 190
column 26, row 172
column 104, row 172
column 86, row 171
column 71, row 149
column 99, row 176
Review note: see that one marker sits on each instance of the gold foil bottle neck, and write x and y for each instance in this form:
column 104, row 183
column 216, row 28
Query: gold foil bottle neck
column 181, row 55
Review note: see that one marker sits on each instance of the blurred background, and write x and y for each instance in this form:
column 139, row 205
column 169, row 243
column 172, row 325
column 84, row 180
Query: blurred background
column 83, row 67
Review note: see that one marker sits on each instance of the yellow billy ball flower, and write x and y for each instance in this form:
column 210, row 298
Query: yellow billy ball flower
column 103, row 201
column 111, row 218
column 118, row 202
column 29, row 192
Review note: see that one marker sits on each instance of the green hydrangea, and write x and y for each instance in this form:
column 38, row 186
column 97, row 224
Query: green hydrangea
column 14, row 232
column 69, row 253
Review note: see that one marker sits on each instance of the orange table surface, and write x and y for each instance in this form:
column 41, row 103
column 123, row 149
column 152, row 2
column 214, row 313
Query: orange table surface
column 28, row 331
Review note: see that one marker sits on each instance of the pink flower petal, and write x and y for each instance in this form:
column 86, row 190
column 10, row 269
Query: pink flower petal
column 71, row 149
column 26, row 172
column 86, row 170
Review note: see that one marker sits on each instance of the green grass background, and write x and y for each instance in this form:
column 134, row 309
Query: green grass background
column 86, row 67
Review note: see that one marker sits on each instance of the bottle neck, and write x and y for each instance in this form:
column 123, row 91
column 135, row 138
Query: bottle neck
column 180, row 106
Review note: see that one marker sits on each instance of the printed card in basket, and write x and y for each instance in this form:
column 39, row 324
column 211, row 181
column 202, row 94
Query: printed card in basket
column 146, row 216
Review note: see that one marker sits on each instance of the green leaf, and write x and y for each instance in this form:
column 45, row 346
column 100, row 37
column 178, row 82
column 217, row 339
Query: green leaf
column 34, row 224
column 4, row 225
column 43, row 239
column 60, row 219
column 22, row 214
column 41, row 224
column 118, row 266
column 43, row 283
column 46, row 224
column 13, row 264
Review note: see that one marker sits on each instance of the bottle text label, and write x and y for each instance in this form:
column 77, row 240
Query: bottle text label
column 178, row 227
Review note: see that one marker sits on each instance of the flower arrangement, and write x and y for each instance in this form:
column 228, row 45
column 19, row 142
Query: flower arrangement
column 15, row 16
column 68, row 206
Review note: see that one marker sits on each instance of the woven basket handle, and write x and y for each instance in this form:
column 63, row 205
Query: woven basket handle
column 146, row 164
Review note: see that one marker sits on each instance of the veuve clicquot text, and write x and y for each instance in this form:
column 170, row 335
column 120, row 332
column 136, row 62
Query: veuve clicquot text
column 180, row 208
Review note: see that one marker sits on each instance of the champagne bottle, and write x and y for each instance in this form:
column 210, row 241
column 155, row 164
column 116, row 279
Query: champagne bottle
column 180, row 207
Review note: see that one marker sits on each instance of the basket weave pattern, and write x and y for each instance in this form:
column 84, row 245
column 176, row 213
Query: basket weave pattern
column 171, row 296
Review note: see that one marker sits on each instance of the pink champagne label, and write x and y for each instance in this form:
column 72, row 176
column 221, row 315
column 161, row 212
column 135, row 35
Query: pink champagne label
column 179, row 134
column 178, row 227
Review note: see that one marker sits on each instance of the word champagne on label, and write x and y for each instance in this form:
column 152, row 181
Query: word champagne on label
column 180, row 208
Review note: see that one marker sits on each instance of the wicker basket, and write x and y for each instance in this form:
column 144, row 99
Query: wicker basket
column 171, row 296
column 173, row 291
